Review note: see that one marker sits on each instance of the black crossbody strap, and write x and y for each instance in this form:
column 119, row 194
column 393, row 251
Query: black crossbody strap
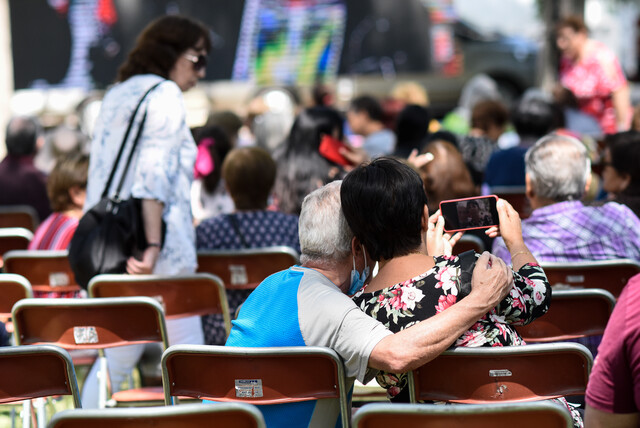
column 124, row 142
column 236, row 227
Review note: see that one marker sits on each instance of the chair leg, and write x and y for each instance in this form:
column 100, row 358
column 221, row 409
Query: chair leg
column 102, row 381
column 41, row 412
column 26, row 414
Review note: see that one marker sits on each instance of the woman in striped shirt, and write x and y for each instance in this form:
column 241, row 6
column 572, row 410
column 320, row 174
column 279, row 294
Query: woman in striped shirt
column 66, row 187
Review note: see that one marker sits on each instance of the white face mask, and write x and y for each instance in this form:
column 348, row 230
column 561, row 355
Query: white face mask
column 357, row 279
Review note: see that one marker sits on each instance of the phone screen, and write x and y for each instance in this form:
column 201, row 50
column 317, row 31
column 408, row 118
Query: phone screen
column 470, row 213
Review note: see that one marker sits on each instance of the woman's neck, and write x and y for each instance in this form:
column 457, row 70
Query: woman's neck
column 400, row 269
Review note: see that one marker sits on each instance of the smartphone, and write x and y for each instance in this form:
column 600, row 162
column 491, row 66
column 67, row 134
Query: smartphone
column 470, row 213
column 330, row 150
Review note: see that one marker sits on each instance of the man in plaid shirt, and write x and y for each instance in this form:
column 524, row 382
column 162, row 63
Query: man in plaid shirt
column 561, row 228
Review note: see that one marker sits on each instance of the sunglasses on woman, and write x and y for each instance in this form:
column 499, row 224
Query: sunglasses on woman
column 199, row 61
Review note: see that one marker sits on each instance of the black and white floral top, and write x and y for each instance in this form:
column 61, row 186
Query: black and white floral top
column 407, row 303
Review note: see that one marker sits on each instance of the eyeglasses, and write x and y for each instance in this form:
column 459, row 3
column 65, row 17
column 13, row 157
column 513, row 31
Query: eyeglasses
column 199, row 62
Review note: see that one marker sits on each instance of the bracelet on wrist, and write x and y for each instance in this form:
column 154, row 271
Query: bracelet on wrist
column 513, row 256
column 153, row 244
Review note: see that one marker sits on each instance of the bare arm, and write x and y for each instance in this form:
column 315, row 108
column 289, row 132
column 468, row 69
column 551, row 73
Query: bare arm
column 419, row 344
column 594, row 418
column 622, row 105
column 152, row 220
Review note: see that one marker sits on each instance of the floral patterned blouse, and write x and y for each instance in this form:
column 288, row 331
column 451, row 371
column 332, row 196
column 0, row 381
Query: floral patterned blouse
column 405, row 304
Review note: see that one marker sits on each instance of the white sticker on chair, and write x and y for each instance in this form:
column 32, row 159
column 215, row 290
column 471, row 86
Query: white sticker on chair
column 238, row 274
column 248, row 388
column 575, row 278
column 58, row 279
column 500, row 373
column 84, row 335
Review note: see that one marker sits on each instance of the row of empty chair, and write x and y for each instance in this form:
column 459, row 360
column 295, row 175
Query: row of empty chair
column 294, row 374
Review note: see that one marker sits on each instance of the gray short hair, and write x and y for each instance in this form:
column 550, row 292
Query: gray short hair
column 558, row 167
column 325, row 236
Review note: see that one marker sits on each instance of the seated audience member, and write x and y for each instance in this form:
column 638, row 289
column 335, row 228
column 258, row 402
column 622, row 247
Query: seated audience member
column 308, row 305
column 365, row 116
column 301, row 168
column 575, row 120
column 613, row 392
column 446, row 176
column 248, row 173
column 412, row 128
column 67, row 189
column 533, row 117
column 209, row 195
column 621, row 172
column 386, row 208
column 561, row 228
column 61, row 142
column 21, row 182
column 489, row 121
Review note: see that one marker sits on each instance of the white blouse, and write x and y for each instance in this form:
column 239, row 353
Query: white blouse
column 162, row 168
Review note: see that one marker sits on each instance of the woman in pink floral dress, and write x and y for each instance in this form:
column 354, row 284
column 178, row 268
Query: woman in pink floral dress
column 386, row 207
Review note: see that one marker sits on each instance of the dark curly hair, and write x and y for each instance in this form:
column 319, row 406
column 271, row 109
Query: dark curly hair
column 161, row 43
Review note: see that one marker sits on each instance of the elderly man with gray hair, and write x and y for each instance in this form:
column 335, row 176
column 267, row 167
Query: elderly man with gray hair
column 308, row 305
column 561, row 228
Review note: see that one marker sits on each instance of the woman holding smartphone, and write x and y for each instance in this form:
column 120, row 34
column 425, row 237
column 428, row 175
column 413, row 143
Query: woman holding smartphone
column 386, row 208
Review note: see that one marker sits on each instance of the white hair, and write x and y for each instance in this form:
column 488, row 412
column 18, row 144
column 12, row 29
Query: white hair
column 325, row 236
column 558, row 167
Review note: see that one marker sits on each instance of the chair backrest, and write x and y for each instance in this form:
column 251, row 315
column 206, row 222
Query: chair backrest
column 89, row 323
column 510, row 373
column 13, row 238
column 237, row 415
column 12, row 288
column 254, row 375
column 527, row 415
column 469, row 242
column 19, row 216
column 46, row 270
column 28, row 372
column 610, row 275
column 516, row 196
column 245, row 269
column 572, row 314
column 181, row 296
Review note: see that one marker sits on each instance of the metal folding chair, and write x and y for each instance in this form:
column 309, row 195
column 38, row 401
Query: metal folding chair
column 33, row 372
column 12, row 289
column 510, row 373
column 13, row 238
column 525, row 415
column 90, row 324
column 610, row 275
column 516, row 196
column 46, row 270
column 245, row 269
column 572, row 314
column 260, row 376
column 469, row 242
column 19, row 216
column 237, row 415
column 181, row 296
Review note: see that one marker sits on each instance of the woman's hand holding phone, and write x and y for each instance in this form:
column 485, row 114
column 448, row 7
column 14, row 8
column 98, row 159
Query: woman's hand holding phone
column 439, row 243
column 510, row 227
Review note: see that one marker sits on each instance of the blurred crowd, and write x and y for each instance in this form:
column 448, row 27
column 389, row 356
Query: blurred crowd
column 572, row 156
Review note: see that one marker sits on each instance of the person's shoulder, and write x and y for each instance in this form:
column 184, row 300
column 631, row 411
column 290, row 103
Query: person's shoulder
column 616, row 210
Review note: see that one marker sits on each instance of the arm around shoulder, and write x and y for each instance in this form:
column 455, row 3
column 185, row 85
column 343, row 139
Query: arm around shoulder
column 419, row 344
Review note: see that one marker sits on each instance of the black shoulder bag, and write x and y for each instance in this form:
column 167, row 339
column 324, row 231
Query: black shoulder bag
column 113, row 230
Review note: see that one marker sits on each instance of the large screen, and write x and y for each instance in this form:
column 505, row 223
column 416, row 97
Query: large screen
column 81, row 43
